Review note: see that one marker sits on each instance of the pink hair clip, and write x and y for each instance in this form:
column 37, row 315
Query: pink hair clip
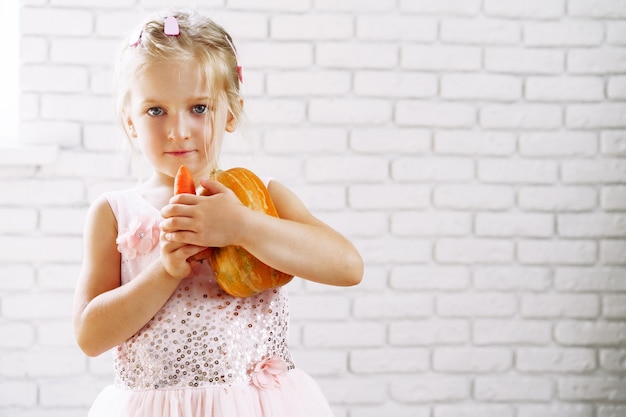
column 170, row 26
column 135, row 38
column 239, row 67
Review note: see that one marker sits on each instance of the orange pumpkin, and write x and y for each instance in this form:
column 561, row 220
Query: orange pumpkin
column 236, row 271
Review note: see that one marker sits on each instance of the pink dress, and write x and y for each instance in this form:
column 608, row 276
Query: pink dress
column 204, row 353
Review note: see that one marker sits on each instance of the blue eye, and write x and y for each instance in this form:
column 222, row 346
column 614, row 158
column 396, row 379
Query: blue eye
column 200, row 109
column 155, row 111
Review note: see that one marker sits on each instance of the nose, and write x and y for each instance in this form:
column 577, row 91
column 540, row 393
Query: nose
column 178, row 128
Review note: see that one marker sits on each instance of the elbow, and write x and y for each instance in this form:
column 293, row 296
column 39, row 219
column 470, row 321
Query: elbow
column 354, row 270
column 89, row 349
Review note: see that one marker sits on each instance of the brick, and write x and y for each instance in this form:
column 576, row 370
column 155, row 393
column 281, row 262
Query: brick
column 381, row 361
column 25, row 306
column 560, row 306
column 571, row 252
column 98, row 137
column 596, row 8
column 439, row 114
column 276, row 111
column 613, row 360
column 557, row 198
column 597, row 60
column 372, row 391
column 18, row 220
column 344, row 334
column 435, row 332
column 615, row 32
column 276, row 54
column 18, row 393
column 518, row 171
column 405, row 250
column 598, row 388
column 42, row 363
column 472, row 360
column 56, row 22
column 556, row 410
column 391, row 84
column 534, row 9
column 611, row 410
column 524, row 60
column 63, row 221
column 69, row 392
column 510, row 278
column 405, row 140
column 351, row 224
column 427, row 389
column 513, row 388
column 458, row 7
column 613, row 252
column 521, row 116
column 432, row 169
column 321, row 363
column 591, row 225
column 56, row 333
column 614, row 306
column 33, row 50
column 307, row 307
column 613, row 142
column 348, row 168
column 415, row 223
column 305, row 83
column 566, row 89
column 356, row 55
column 305, row 27
column 507, row 332
column 241, row 24
column 590, row 279
column 352, row 5
column 478, row 30
column 41, row 249
column 585, row 116
column 558, row 144
column 61, row 133
column 280, row 5
column 616, row 88
column 84, row 51
column 76, row 107
column 396, row 306
column 390, row 410
column 473, row 197
column 460, row 142
column 47, row 78
column 16, row 336
column 25, row 276
column 591, row 172
column 513, row 224
column 429, row 277
column 441, row 57
column 108, row 23
column 492, row 87
column 585, row 333
column 476, row 305
column 392, row 196
column 555, row 360
column 474, row 410
column 461, row 251
column 312, row 140
column 387, row 27
column 358, row 111
column 563, row 33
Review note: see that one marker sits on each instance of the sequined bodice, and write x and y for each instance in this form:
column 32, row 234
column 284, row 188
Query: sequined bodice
column 201, row 336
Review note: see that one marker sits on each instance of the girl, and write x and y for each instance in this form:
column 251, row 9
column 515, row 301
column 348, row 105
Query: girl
column 183, row 347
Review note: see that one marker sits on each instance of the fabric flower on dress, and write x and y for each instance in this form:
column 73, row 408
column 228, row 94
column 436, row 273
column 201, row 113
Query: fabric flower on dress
column 267, row 373
column 140, row 237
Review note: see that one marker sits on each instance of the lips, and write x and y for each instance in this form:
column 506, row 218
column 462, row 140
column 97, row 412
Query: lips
column 181, row 152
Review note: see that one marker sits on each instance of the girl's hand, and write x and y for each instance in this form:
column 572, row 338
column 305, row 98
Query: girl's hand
column 174, row 257
column 216, row 218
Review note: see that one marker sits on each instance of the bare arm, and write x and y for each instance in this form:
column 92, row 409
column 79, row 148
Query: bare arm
column 297, row 243
column 106, row 313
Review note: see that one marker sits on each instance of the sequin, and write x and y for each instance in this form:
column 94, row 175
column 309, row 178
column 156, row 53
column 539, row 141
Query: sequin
column 204, row 337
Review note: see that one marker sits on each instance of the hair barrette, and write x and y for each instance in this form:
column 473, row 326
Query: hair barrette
column 135, row 38
column 170, row 26
column 239, row 67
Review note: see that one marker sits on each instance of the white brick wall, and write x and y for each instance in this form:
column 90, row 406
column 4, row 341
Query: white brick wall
column 473, row 151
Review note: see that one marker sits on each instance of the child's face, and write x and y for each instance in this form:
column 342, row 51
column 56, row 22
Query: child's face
column 172, row 115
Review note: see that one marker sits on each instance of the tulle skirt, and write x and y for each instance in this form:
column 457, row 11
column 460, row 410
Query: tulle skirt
column 297, row 396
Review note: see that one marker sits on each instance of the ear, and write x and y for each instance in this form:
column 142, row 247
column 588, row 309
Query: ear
column 231, row 123
column 130, row 126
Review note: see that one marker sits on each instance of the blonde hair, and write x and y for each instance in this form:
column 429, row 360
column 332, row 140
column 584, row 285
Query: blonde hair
column 200, row 40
